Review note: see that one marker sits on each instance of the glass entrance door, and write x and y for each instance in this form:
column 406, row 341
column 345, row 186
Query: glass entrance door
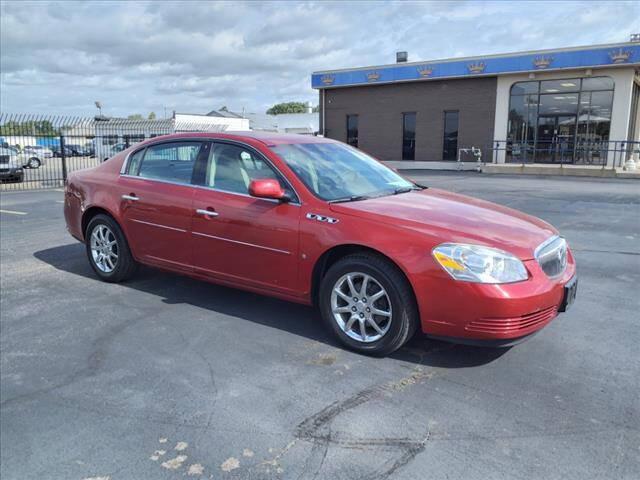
column 556, row 139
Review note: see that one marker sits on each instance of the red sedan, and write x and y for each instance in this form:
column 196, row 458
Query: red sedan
column 315, row 221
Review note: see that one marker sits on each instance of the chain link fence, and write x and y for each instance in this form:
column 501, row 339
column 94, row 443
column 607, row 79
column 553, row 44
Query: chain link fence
column 39, row 151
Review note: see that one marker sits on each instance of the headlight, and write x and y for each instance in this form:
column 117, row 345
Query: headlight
column 475, row 263
column 13, row 162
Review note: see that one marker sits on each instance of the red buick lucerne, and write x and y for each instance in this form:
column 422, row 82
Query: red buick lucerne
column 314, row 221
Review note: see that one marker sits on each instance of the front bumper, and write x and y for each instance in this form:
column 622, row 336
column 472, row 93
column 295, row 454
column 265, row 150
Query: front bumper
column 497, row 315
column 11, row 173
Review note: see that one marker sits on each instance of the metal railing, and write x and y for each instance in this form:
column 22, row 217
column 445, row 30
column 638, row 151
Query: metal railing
column 604, row 153
column 38, row 151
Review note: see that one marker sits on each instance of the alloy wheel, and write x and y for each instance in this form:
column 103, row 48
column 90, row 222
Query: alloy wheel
column 361, row 307
column 104, row 248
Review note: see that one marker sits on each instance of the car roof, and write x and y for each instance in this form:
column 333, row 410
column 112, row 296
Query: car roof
column 268, row 138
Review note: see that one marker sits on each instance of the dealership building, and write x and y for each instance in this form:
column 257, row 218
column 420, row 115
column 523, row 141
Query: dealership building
column 561, row 106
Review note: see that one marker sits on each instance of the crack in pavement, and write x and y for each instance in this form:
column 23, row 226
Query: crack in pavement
column 317, row 429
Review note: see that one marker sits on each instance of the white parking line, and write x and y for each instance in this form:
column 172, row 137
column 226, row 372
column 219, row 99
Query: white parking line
column 13, row 212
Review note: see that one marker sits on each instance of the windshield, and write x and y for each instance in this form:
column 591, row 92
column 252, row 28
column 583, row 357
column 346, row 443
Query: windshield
column 336, row 172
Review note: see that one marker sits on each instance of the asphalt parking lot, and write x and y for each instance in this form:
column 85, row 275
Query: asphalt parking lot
column 166, row 377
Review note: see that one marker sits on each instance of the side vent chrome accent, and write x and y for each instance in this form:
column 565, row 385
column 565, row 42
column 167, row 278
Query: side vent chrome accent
column 321, row 218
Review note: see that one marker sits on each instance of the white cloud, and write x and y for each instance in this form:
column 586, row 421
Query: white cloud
column 195, row 56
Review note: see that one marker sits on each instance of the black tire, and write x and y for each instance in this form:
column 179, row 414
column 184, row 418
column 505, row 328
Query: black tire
column 34, row 163
column 125, row 266
column 404, row 319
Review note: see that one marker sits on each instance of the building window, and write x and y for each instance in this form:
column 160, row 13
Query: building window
column 450, row 143
column 409, row 136
column 560, row 121
column 352, row 130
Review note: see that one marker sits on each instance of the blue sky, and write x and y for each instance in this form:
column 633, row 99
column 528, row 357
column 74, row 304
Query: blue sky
column 137, row 57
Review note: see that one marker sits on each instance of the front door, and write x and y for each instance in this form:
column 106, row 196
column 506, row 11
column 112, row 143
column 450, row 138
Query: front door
column 556, row 139
column 157, row 203
column 242, row 239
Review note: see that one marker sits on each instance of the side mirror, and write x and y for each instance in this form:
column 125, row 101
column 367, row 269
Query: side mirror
column 267, row 188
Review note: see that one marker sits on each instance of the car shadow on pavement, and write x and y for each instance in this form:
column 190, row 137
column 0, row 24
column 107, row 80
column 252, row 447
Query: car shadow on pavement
column 297, row 319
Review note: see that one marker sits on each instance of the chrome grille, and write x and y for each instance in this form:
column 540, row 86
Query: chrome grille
column 552, row 256
column 4, row 159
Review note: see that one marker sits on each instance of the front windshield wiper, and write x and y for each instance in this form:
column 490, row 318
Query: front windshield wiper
column 403, row 190
column 352, row 198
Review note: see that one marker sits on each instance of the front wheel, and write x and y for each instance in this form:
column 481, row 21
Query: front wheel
column 34, row 163
column 108, row 250
column 368, row 304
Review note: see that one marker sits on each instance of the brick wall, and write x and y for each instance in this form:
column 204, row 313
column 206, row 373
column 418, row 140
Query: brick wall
column 380, row 109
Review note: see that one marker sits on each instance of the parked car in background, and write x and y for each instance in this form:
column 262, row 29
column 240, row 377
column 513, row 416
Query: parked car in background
column 10, row 166
column 39, row 150
column 27, row 158
column 76, row 149
column 90, row 150
column 315, row 221
column 108, row 151
column 57, row 151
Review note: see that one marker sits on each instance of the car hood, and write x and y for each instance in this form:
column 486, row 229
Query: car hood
column 450, row 217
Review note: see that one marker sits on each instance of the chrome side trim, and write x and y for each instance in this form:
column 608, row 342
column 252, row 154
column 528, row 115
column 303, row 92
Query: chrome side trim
column 321, row 218
column 242, row 243
column 159, row 180
column 203, row 187
column 158, row 225
column 211, row 189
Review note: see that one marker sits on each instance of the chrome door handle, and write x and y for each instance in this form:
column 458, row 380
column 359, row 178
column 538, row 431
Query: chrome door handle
column 130, row 197
column 209, row 213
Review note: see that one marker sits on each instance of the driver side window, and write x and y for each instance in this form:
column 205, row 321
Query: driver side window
column 232, row 168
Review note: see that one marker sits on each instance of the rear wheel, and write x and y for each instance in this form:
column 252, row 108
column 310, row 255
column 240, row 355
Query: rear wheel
column 108, row 250
column 368, row 304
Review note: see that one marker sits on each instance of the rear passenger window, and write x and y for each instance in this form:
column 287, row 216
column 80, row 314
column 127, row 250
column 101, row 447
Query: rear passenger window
column 169, row 161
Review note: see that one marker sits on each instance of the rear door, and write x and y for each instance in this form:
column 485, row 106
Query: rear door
column 242, row 239
column 157, row 202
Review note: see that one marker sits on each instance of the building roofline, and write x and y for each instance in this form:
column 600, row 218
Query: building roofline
column 481, row 57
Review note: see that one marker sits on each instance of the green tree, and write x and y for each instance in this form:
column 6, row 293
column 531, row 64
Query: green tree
column 135, row 116
column 287, row 107
column 38, row 127
column 152, row 116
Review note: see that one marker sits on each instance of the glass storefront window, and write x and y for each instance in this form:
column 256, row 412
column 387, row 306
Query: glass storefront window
column 597, row 83
column 568, row 121
column 555, row 104
column 524, row 87
column 560, row 86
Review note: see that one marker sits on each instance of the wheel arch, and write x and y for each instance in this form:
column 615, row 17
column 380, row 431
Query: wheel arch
column 91, row 212
column 332, row 255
